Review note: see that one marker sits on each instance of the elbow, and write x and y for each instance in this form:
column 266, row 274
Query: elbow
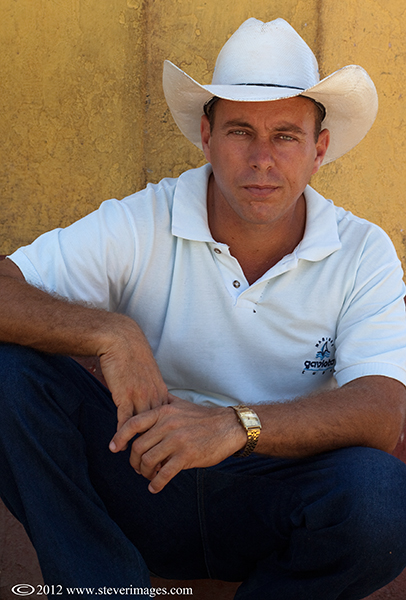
column 384, row 410
column 391, row 429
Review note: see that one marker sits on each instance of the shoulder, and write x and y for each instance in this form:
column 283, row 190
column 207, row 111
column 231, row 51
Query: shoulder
column 364, row 241
column 156, row 196
column 347, row 221
column 355, row 233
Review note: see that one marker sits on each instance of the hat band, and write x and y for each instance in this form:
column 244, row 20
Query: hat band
column 289, row 87
column 320, row 106
column 208, row 105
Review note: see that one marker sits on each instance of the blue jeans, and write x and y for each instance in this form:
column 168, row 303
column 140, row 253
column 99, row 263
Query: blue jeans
column 323, row 528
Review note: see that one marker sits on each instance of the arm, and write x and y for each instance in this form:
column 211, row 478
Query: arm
column 31, row 317
column 368, row 411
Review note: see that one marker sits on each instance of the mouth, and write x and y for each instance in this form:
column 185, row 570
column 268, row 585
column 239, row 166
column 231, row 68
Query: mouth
column 261, row 191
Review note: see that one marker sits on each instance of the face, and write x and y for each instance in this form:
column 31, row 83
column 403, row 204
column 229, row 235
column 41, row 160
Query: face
column 263, row 155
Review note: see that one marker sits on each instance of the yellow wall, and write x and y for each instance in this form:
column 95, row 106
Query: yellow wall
column 83, row 117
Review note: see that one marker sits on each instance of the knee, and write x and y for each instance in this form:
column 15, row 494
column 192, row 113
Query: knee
column 373, row 483
column 18, row 364
column 27, row 375
column 372, row 488
column 18, row 375
column 12, row 356
column 358, row 497
column 35, row 384
column 14, row 361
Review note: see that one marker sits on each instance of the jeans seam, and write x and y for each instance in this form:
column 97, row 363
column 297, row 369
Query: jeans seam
column 200, row 476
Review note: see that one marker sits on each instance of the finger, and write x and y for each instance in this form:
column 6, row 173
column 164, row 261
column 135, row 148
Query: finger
column 135, row 377
column 164, row 475
column 125, row 411
column 138, row 424
column 147, row 395
column 148, row 452
column 147, row 465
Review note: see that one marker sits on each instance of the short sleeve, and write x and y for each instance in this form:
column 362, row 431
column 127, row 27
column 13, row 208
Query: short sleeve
column 371, row 331
column 89, row 261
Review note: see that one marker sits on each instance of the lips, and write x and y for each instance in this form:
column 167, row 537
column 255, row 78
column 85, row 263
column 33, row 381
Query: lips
column 261, row 191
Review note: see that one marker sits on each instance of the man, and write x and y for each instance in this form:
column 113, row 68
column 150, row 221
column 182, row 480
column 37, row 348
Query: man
column 233, row 310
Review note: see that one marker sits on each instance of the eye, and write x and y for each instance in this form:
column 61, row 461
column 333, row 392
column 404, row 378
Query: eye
column 238, row 132
column 285, row 137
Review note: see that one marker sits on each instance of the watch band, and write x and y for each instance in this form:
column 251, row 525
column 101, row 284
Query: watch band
column 252, row 425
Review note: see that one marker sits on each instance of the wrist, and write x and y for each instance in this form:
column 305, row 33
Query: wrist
column 238, row 433
column 116, row 330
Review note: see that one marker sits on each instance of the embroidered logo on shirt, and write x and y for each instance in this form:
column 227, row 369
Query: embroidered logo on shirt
column 324, row 360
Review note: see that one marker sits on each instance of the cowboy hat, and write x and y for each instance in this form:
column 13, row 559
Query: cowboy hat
column 270, row 61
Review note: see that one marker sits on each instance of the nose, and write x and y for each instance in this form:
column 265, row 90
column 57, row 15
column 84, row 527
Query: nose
column 261, row 155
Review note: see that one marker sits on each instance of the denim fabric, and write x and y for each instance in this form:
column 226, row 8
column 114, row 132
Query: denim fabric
column 330, row 527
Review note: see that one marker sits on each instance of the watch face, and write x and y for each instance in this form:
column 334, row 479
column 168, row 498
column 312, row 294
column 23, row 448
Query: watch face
column 250, row 419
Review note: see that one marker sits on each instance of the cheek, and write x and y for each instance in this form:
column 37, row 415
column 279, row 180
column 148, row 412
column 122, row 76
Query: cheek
column 300, row 165
column 225, row 164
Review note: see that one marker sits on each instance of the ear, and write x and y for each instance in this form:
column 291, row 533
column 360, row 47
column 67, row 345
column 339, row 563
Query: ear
column 205, row 136
column 321, row 149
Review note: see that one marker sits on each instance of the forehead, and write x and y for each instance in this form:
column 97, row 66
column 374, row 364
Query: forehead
column 295, row 110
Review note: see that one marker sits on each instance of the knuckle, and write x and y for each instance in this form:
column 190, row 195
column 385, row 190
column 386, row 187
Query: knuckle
column 169, row 412
column 163, row 390
column 136, row 446
column 182, row 438
column 132, row 422
column 148, row 460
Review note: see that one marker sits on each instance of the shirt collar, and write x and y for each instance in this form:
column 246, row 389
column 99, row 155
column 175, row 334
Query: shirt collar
column 189, row 216
column 189, row 213
column 321, row 233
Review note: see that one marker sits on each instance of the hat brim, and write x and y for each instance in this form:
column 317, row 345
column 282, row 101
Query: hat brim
column 348, row 95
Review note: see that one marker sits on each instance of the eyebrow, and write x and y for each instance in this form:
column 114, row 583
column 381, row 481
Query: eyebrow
column 290, row 127
column 237, row 123
column 284, row 126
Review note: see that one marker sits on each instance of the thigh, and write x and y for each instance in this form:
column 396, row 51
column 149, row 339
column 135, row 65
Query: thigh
column 165, row 527
column 306, row 513
column 57, row 422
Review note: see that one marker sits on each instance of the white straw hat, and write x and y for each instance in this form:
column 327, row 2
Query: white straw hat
column 270, row 61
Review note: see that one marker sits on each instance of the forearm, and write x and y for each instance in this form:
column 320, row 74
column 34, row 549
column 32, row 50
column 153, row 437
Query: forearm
column 31, row 317
column 369, row 411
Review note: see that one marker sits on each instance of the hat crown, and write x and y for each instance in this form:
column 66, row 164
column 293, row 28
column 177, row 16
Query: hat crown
column 270, row 53
column 264, row 62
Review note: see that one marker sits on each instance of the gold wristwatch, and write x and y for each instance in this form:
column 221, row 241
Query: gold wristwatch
column 252, row 425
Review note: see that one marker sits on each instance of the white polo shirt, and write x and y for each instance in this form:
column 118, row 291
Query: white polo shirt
column 328, row 313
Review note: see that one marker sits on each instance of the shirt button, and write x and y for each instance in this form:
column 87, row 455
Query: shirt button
column 217, row 250
column 236, row 283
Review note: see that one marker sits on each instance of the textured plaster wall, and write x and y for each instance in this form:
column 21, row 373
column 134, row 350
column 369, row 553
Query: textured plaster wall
column 371, row 179
column 71, row 110
column 83, row 117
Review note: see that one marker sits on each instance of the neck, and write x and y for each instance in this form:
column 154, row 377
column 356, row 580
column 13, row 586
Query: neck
column 257, row 247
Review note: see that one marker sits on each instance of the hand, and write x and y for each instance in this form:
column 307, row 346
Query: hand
column 180, row 435
column 131, row 372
